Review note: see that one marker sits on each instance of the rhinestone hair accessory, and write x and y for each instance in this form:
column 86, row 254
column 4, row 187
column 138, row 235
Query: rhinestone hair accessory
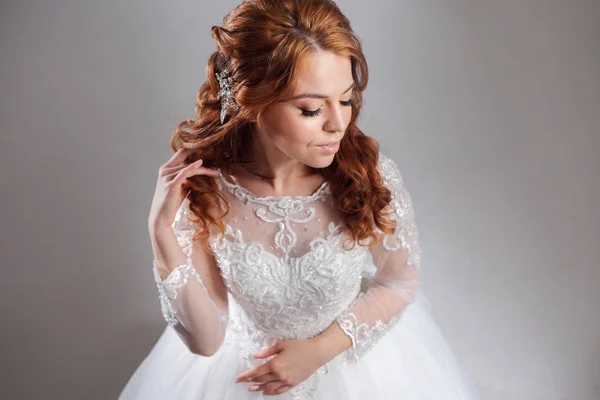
column 225, row 94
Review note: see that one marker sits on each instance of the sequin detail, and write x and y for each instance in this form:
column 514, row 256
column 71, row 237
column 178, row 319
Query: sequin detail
column 288, row 275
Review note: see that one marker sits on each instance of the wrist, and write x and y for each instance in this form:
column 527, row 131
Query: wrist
column 332, row 342
column 156, row 226
column 158, row 230
column 167, row 251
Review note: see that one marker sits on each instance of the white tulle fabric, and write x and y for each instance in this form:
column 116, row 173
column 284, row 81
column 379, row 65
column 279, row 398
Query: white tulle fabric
column 288, row 277
column 397, row 259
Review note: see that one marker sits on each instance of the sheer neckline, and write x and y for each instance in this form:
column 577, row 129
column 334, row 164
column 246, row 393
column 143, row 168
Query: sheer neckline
column 235, row 186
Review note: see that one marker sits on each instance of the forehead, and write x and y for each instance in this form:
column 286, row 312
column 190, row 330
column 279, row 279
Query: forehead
column 324, row 73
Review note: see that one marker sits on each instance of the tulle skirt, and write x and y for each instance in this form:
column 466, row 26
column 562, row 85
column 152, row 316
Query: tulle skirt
column 412, row 362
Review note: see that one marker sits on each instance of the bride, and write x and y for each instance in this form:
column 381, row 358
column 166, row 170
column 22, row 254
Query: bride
column 286, row 254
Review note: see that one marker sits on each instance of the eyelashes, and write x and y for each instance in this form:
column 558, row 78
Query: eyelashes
column 310, row 113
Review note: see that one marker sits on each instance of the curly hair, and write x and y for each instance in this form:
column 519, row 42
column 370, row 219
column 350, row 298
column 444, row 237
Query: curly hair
column 265, row 42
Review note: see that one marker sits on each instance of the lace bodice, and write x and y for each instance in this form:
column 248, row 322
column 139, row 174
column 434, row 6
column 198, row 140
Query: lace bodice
column 282, row 261
column 289, row 277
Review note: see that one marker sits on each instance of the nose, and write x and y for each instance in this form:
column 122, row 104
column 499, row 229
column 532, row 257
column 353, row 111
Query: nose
column 335, row 122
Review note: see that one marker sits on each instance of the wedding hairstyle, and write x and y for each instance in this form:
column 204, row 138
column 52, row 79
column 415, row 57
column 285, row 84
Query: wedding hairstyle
column 261, row 45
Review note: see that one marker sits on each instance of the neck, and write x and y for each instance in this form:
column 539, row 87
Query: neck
column 270, row 164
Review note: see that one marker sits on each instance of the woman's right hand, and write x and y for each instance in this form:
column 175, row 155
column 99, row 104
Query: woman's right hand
column 169, row 193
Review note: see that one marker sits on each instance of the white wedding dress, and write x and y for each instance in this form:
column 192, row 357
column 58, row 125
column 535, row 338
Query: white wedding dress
column 288, row 277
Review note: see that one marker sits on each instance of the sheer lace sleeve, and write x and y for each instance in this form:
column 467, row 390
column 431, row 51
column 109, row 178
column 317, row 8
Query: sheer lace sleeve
column 185, row 301
column 396, row 281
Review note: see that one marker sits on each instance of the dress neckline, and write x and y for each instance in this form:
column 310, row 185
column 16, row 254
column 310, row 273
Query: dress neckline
column 233, row 187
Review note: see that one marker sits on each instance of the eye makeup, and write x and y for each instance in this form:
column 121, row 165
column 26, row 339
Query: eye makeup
column 310, row 113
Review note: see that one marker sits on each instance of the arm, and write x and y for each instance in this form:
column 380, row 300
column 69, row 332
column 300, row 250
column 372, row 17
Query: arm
column 191, row 290
column 394, row 286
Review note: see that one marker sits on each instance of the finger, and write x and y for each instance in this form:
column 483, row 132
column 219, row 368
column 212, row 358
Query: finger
column 256, row 371
column 197, row 170
column 191, row 170
column 268, row 377
column 279, row 390
column 167, row 171
column 179, row 156
column 178, row 170
column 170, row 167
column 267, row 352
column 266, row 386
column 208, row 171
column 179, row 165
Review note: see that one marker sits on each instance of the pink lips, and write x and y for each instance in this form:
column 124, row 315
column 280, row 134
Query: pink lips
column 334, row 143
column 330, row 148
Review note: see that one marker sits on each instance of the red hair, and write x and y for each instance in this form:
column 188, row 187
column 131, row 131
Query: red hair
column 266, row 42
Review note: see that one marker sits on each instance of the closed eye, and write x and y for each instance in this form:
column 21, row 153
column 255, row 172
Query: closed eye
column 347, row 103
column 310, row 113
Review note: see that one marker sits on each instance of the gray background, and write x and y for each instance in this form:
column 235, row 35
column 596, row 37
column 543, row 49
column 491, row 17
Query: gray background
column 491, row 109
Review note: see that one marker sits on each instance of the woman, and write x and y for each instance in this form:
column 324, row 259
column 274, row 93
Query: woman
column 285, row 250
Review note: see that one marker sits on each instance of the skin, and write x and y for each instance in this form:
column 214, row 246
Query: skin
column 286, row 144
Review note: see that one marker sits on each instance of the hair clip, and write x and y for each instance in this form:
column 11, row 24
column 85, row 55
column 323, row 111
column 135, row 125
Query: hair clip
column 225, row 93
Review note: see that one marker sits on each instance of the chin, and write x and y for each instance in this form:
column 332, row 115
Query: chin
column 322, row 162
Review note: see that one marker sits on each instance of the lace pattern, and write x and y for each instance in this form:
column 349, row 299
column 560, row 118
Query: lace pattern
column 170, row 287
column 280, row 294
column 287, row 273
column 365, row 336
column 278, row 297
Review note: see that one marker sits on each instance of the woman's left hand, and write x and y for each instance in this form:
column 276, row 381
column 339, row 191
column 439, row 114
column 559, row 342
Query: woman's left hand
column 294, row 362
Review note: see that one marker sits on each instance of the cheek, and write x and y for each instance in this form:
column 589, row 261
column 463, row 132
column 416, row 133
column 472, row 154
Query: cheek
column 289, row 129
column 347, row 115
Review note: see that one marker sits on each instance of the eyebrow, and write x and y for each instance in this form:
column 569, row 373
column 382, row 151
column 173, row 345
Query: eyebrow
column 316, row 95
